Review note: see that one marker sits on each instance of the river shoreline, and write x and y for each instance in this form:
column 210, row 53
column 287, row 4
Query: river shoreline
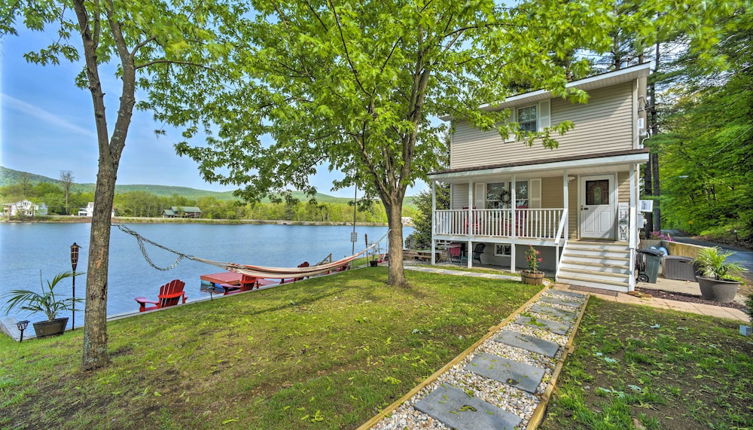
column 154, row 220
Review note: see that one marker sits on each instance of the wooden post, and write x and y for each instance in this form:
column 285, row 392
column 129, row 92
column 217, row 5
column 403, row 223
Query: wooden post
column 433, row 220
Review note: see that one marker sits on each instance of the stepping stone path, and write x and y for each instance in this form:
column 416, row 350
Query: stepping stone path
column 498, row 385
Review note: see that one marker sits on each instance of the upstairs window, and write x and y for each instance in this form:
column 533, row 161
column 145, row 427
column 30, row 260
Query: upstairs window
column 527, row 118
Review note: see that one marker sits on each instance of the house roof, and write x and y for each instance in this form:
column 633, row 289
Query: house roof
column 543, row 164
column 168, row 212
column 592, row 82
column 188, row 209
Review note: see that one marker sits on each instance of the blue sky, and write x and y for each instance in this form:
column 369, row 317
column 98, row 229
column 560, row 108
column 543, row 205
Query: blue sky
column 46, row 126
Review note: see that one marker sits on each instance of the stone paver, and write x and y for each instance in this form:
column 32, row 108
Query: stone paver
column 515, row 373
column 571, row 294
column 457, row 409
column 558, row 301
column 553, row 326
column 542, row 308
column 527, row 342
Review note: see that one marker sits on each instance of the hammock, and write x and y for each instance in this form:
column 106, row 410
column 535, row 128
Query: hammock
column 256, row 271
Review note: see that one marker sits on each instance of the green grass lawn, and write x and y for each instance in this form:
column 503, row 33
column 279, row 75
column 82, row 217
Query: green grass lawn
column 472, row 269
column 639, row 367
column 328, row 352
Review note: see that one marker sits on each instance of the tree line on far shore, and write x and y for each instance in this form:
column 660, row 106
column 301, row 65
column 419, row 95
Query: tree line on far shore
column 145, row 204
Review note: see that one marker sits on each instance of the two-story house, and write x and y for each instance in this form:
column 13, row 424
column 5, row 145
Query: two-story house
column 577, row 204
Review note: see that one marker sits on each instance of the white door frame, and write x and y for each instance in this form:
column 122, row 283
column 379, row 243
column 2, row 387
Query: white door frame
column 612, row 200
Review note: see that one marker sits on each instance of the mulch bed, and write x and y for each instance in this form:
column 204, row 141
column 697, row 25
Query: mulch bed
column 682, row 297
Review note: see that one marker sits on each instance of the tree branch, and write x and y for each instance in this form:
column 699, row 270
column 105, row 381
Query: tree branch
column 166, row 61
column 345, row 47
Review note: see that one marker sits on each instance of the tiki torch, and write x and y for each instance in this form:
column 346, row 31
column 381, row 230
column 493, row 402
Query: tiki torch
column 74, row 263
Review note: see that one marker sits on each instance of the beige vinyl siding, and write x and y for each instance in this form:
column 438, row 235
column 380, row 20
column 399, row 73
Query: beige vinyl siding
column 623, row 187
column 572, row 213
column 459, row 196
column 604, row 124
column 551, row 192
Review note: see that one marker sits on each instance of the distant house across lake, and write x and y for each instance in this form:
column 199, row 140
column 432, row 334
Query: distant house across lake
column 88, row 211
column 24, row 208
column 182, row 212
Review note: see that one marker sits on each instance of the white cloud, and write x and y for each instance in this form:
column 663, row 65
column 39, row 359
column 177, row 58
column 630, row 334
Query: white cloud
column 49, row 117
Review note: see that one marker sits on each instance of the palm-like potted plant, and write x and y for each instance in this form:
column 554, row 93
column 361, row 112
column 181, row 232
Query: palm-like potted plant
column 533, row 276
column 718, row 279
column 45, row 302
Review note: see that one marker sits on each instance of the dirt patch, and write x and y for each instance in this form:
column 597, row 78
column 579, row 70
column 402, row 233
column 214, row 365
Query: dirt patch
column 682, row 297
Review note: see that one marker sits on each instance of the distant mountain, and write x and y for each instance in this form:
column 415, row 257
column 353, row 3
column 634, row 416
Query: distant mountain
column 10, row 177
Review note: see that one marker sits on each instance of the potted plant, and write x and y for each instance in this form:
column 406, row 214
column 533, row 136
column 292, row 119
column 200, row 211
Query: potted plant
column 533, row 276
column 46, row 302
column 718, row 279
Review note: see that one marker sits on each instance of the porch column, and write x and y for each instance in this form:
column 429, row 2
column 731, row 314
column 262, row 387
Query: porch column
column 566, row 201
column 513, row 223
column 433, row 220
column 632, row 226
column 470, row 225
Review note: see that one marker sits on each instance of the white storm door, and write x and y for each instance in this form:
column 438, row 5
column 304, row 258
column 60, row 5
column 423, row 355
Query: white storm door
column 597, row 207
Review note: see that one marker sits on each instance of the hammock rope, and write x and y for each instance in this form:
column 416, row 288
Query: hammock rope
column 256, row 271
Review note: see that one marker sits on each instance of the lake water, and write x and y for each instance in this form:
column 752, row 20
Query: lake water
column 25, row 249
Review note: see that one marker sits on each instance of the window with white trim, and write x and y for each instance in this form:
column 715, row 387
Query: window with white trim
column 527, row 118
column 502, row 250
column 498, row 195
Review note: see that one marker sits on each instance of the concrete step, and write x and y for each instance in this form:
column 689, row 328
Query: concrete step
column 585, row 282
column 594, row 275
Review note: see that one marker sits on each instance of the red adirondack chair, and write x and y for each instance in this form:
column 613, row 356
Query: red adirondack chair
column 304, row 264
column 170, row 294
column 247, row 283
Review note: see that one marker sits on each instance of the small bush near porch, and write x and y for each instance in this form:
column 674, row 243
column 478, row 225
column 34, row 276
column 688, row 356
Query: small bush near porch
column 637, row 367
column 328, row 353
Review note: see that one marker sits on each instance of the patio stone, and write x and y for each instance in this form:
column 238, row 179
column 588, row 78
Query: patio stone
column 553, row 326
column 515, row 373
column 527, row 342
column 567, row 294
column 558, row 301
column 548, row 310
column 458, row 410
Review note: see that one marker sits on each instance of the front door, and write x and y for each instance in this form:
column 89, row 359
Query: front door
column 597, row 207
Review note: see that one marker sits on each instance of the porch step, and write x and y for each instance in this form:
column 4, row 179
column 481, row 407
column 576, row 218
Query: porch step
column 587, row 282
column 609, row 246
column 594, row 275
column 610, row 268
column 597, row 252
column 595, row 259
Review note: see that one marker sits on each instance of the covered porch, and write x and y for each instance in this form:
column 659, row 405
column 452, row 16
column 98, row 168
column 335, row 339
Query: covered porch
column 544, row 204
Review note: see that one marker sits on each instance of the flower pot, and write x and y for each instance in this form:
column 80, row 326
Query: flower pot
column 50, row 328
column 373, row 263
column 532, row 278
column 718, row 290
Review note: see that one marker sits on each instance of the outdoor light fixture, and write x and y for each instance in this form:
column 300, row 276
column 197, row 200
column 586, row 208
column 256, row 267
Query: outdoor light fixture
column 21, row 327
column 74, row 262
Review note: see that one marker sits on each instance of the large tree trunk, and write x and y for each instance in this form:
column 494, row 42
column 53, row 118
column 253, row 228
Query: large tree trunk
column 396, row 275
column 95, row 319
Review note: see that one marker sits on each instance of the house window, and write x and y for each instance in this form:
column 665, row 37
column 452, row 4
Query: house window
column 502, row 250
column 527, row 118
column 498, row 195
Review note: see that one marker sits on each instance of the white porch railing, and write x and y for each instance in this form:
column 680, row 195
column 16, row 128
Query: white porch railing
column 528, row 223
